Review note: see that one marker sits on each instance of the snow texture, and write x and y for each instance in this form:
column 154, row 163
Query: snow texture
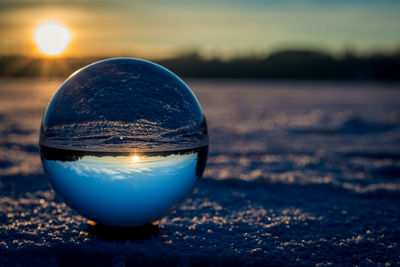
column 298, row 174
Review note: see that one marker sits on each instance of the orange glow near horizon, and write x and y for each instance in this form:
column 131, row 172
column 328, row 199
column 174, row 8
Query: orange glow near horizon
column 160, row 29
column 52, row 38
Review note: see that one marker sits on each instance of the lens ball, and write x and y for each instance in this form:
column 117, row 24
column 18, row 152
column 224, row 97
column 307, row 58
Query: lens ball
column 123, row 141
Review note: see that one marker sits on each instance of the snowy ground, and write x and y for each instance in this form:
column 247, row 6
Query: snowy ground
column 298, row 174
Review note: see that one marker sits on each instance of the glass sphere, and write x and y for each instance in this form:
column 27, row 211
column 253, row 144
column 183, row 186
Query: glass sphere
column 123, row 141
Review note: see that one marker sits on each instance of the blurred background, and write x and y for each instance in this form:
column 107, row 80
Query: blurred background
column 304, row 39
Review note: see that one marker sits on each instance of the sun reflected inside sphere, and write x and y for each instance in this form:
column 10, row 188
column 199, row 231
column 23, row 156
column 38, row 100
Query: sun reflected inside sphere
column 135, row 158
column 52, row 38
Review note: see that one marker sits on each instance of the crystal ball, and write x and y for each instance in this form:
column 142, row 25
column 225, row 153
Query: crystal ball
column 123, row 142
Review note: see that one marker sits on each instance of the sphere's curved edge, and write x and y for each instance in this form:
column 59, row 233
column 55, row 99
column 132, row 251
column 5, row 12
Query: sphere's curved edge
column 124, row 58
column 109, row 59
column 135, row 59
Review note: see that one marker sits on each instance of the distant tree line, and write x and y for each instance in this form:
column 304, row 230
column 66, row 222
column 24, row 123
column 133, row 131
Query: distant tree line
column 289, row 64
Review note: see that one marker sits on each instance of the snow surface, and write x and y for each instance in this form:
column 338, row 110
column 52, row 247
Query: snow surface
column 298, row 174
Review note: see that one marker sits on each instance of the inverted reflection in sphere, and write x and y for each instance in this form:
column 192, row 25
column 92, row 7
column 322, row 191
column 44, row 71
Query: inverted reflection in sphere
column 123, row 141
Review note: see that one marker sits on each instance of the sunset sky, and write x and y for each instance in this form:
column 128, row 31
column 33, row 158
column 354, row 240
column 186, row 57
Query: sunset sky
column 225, row 28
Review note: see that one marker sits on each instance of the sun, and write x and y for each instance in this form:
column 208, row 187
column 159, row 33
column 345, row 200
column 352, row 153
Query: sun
column 52, row 38
column 135, row 158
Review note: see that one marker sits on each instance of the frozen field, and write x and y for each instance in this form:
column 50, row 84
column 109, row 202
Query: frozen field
column 298, row 173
